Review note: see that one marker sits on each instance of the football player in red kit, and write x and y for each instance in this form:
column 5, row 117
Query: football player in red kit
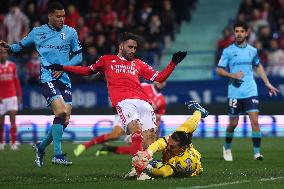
column 133, row 105
column 10, row 96
column 159, row 106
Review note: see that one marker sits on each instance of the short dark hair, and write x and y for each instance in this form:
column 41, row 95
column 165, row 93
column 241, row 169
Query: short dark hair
column 182, row 137
column 55, row 5
column 127, row 35
column 241, row 24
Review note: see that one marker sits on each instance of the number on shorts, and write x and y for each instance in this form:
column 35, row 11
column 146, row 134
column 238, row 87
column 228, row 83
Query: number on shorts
column 233, row 103
column 51, row 86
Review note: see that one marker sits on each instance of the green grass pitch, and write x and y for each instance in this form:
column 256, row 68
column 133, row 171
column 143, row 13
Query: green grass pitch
column 17, row 169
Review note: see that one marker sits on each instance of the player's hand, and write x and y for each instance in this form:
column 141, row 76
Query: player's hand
column 141, row 160
column 178, row 56
column 239, row 75
column 57, row 74
column 272, row 90
column 4, row 45
column 55, row 67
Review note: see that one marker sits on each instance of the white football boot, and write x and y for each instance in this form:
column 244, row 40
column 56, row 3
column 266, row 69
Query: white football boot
column 144, row 176
column 258, row 156
column 227, row 154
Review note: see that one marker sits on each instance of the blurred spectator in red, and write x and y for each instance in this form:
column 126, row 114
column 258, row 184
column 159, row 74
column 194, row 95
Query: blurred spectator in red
column 224, row 42
column 32, row 69
column 72, row 16
column 108, row 16
column 16, row 23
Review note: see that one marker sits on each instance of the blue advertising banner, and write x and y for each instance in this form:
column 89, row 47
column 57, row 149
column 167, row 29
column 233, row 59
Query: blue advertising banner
column 205, row 92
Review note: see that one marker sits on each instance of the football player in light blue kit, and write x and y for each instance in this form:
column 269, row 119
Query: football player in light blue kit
column 54, row 42
column 237, row 63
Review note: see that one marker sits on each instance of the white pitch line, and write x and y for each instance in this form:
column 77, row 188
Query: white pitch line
column 271, row 178
column 230, row 183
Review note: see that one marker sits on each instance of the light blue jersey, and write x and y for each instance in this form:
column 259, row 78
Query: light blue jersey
column 53, row 47
column 234, row 59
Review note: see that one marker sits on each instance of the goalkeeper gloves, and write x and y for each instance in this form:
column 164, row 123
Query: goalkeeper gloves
column 141, row 160
column 178, row 57
column 55, row 67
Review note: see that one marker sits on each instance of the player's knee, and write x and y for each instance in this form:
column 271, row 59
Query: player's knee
column 62, row 114
column 134, row 127
column 149, row 137
column 59, row 120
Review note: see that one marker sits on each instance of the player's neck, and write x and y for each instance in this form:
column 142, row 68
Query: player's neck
column 241, row 45
column 52, row 27
column 157, row 89
column 120, row 56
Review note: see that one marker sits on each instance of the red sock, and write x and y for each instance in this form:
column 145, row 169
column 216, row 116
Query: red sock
column 136, row 145
column 2, row 134
column 13, row 133
column 123, row 150
column 97, row 140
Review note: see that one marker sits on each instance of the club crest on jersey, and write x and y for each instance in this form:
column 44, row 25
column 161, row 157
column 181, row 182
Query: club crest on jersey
column 62, row 36
column 133, row 63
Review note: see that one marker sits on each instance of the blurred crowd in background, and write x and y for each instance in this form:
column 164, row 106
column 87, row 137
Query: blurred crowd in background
column 265, row 19
column 97, row 22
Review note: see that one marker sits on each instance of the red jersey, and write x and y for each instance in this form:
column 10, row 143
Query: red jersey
column 123, row 77
column 157, row 98
column 9, row 82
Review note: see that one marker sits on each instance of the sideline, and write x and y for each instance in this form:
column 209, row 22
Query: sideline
column 231, row 183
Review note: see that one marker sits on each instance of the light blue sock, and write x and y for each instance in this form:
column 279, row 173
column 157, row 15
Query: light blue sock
column 256, row 140
column 228, row 140
column 57, row 132
column 256, row 150
column 46, row 141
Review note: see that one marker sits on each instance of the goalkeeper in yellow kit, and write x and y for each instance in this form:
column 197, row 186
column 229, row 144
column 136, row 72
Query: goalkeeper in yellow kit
column 179, row 157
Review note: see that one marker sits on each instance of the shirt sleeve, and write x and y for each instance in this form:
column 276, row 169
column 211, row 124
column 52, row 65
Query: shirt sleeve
column 76, row 47
column 224, row 60
column 255, row 59
column 147, row 71
column 99, row 65
column 24, row 43
column 158, row 145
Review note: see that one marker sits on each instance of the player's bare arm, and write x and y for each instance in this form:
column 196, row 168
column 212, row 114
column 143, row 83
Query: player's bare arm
column 272, row 90
column 222, row 72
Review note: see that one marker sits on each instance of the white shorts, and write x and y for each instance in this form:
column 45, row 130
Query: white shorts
column 117, row 121
column 8, row 104
column 133, row 109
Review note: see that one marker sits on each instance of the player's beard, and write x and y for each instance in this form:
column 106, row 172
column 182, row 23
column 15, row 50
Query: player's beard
column 240, row 40
column 128, row 56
